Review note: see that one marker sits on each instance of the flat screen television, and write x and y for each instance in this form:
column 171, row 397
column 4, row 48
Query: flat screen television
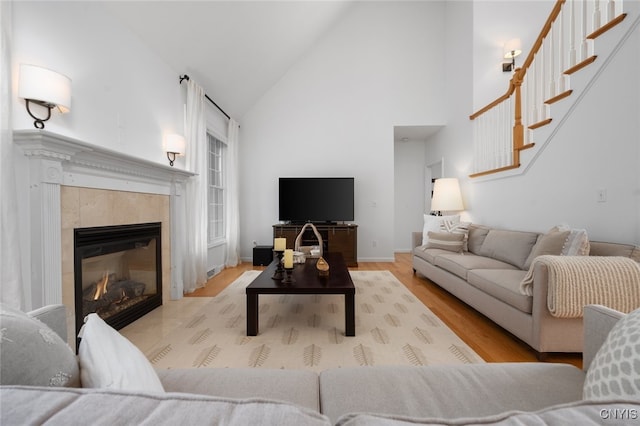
column 319, row 200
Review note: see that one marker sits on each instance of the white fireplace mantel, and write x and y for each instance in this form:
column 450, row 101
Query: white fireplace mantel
column 86, row 165
column 57, row 160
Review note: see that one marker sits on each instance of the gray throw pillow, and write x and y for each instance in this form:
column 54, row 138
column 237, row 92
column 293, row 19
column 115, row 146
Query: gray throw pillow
column 512, row 247
column 32, row 354
column 550, row 243
column 615, row 370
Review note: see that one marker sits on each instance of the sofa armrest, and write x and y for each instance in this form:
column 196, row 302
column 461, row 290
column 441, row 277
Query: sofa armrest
column 54, row 316
column 416, row 239
column 598, row 321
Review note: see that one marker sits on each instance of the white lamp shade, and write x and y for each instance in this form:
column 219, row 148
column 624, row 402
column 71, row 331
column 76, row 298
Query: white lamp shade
column 175, row 144
column 512, row 48
column 446, row 195
column 44, row 85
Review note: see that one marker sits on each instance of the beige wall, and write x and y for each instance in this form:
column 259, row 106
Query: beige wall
column 86, row 207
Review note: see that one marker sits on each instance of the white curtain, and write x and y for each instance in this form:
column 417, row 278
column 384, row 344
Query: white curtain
column 232, row 210
column 10, row 263
column 195, row 255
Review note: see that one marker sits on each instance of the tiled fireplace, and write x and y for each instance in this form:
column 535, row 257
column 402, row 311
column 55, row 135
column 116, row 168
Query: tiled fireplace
column 75, row 185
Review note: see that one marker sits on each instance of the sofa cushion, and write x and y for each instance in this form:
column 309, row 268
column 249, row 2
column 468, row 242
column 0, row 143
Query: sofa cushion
column 512, row 247
column 448, row 390
column 550, row 243
column 33, row 354
column 581, row 412
column 446, row 241
column 615, row 370
column 503, row 284
column 428, row 254
column 296, row 386
column 460, row 264
column 597, row 248
column 109, row 360
column 476, row 236
column 64, row 406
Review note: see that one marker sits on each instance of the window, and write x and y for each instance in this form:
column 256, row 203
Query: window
column 215, row 195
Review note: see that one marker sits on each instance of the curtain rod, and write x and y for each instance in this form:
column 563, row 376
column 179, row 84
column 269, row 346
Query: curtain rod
column 186, row 77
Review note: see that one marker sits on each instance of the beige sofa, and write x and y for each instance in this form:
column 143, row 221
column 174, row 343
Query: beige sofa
column 498, row 393
column 487, row 277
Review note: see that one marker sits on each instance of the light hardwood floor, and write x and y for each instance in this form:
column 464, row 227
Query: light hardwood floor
column 490, row 341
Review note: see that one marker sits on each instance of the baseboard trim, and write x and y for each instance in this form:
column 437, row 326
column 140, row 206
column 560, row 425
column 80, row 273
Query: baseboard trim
column 375, row 259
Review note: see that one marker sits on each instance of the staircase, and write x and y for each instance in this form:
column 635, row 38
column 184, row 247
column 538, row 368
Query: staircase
column 577, row 42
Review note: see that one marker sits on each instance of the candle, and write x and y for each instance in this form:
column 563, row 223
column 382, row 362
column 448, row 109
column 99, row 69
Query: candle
column 288, row 259
column 279, row 244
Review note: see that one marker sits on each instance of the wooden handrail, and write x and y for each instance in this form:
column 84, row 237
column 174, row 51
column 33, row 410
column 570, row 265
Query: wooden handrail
column 502, row 98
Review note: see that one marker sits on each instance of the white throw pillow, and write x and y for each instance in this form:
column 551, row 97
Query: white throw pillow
column 614, row 372
column 577, row 243
column 434, row 223
column 109, row 360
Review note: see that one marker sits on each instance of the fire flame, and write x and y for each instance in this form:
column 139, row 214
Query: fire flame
column 101, row 287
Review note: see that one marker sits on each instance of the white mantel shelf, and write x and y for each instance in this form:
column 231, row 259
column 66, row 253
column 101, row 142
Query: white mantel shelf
column 86, row 165
column 56, row 160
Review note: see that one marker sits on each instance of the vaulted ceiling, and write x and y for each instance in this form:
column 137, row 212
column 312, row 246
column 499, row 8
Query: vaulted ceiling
column 236, row 50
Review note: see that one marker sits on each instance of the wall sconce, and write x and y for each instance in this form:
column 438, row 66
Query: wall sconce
column 446, row 196
column 44, row 87
column 512, row 49
column 174, row 145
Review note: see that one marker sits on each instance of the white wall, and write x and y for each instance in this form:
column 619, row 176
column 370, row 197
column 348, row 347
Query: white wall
column 410, row 191
column 597, row 148
column 333, row 114
column 123, row 96
column 452, row 145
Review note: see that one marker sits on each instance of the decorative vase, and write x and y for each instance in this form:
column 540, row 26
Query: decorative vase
column 322, row 266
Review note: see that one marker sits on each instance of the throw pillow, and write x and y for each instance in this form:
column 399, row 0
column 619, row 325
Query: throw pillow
column 434, row 223
column 32, row 354
column 446, row 241
column 550, row 243
column 109, row 360
column 477, row 235
column 577, row 243
column 614, row 372
column 457, row 228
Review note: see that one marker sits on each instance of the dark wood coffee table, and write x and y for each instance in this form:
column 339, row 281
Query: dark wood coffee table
column 307, row 281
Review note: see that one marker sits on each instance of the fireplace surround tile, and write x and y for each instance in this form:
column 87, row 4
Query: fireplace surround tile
column 89, row 207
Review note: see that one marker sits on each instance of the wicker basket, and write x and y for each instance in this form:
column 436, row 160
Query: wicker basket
column 309, row 251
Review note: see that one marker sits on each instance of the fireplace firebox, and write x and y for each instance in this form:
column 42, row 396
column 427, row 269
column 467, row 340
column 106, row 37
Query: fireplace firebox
column 118, row 272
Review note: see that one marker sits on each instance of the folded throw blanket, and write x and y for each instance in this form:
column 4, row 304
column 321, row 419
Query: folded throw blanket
column 576, row 281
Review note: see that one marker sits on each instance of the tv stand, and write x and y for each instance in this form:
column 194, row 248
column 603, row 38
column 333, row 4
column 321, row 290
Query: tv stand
column 342, row 238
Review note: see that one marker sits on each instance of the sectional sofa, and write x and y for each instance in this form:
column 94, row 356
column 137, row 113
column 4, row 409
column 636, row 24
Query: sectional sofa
column 502, row 393
column 489, row 272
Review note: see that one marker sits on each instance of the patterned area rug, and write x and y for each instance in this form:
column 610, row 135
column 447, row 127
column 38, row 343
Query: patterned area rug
column 307, row 331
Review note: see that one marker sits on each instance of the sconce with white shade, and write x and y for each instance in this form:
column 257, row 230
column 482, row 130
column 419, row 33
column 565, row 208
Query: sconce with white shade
column 44, row 87
column 174, row 145
column 512, row 49
column 446, row 196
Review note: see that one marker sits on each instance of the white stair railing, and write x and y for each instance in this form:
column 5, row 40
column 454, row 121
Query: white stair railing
column 505, row 127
